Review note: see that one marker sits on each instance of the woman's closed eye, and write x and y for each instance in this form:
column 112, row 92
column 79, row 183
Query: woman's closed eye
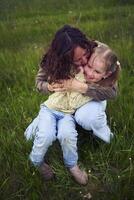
column 86, row 54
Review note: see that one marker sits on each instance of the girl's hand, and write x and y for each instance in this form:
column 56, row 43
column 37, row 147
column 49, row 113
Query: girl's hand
column 55, row 87
column 77, row 86
column 50, row 87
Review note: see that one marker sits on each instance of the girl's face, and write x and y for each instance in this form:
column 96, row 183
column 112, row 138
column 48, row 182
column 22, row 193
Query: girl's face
column 80, row 56
column 95, row 69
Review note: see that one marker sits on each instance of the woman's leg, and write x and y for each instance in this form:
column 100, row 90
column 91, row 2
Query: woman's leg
column 92, row 116
column 45, row 135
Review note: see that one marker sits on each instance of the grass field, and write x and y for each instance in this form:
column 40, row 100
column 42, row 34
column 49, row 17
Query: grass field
column 26, row 29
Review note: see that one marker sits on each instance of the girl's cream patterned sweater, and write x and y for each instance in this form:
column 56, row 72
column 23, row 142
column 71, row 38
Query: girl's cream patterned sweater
column 67, row 102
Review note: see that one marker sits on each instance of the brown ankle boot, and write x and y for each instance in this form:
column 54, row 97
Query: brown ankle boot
column 46, row 171
column 80, row 176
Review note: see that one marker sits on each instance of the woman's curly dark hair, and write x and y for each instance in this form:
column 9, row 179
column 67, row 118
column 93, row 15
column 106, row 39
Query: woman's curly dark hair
column 58, row 61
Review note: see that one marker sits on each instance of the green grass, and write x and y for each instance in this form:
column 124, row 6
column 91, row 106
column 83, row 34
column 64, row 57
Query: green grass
column 26, row 29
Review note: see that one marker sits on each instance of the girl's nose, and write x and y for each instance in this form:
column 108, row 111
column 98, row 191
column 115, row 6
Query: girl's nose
column 91, row 74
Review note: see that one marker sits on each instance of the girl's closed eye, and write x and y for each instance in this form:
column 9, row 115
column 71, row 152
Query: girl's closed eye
column 98, row 72
column 89, row 66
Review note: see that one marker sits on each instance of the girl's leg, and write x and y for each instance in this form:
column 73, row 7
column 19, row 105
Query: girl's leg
column 67, row 136
column 92, row 116
column 44, row 136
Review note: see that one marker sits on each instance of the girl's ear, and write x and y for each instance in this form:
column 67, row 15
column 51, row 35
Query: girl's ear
column 81, row 69
column 107, row 74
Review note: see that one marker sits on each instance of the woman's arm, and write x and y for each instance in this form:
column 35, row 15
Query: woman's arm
column 97, row 92
column 41, row 82
column 100, row 93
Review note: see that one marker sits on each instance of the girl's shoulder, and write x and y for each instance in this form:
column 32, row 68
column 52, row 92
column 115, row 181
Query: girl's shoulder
column 101, row 43
column 80, row 76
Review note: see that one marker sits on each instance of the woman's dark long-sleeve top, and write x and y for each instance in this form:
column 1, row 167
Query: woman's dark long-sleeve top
column 97, row 92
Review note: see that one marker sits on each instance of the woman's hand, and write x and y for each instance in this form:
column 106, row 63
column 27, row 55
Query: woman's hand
column 68, row 85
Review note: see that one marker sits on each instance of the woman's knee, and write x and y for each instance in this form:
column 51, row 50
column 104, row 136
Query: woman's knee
column 89, row 114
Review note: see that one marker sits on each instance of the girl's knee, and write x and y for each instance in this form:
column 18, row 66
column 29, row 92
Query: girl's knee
column 67, row 135
column 66, row 128
column 44, row 140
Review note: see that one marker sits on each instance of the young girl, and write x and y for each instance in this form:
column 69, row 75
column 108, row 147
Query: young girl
column 55, row 120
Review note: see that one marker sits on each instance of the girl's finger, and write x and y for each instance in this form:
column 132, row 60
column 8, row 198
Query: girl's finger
column 58, row 85
column 59, row 90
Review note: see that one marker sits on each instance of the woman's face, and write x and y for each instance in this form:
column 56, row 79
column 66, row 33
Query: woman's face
column 80, row 56
column 95, row 69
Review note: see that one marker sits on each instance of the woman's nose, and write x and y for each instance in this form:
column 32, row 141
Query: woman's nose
column 84, row 60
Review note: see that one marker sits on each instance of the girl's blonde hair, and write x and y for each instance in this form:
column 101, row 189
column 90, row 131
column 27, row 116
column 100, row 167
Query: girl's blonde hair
column 111, row 62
